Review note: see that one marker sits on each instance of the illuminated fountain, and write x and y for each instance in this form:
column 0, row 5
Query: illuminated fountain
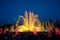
column 30, row 23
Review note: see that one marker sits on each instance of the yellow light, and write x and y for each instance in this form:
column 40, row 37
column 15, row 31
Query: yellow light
column 28, row 25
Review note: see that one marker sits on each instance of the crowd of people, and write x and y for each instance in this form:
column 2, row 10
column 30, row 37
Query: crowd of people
column 52, row 33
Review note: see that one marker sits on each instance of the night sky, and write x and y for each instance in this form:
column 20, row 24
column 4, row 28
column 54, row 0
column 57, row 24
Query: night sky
column 11, row 9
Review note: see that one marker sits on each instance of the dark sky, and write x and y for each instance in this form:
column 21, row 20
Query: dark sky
column 11, row 9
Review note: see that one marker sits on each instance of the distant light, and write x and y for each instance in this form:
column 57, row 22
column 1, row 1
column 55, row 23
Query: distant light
column 7, row 29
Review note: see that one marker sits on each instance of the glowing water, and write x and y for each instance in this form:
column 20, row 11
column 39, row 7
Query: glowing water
column 30, row 24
